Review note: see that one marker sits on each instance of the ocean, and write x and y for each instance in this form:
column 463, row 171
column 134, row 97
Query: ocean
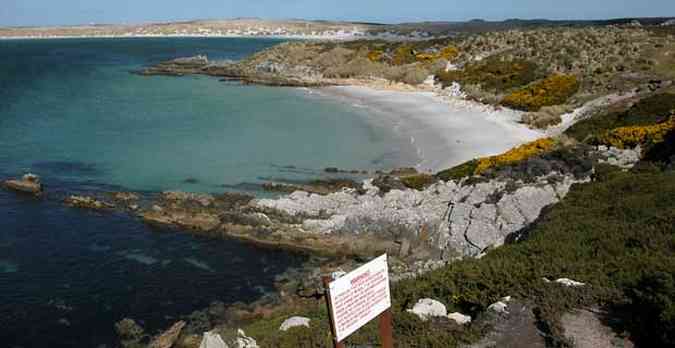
column 71, row 112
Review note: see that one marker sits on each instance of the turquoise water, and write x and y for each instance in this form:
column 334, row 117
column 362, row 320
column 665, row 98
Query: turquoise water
column 76, row 103
column 71, row 112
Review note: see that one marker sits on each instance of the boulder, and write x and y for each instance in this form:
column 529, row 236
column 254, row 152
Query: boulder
column 569, row 282
column 212, row 340
column 243, row 341
column 29, row 183
column 426, row 308
column 498, row 307
column 168, row 337
column 294, row 322
column 459, row 318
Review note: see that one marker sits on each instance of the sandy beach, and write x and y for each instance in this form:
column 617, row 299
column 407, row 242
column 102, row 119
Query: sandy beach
column 445, row 131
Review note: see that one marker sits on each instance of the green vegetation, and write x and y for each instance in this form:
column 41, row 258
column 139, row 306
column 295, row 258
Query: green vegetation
column 458, row 172
column 615, row 234
column 419, row 181
column 647, row 111
column 554, row 90
column 493, row 74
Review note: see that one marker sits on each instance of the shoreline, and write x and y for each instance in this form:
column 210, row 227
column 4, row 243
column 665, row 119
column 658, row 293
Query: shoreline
column 445, row 131
column 393, row 38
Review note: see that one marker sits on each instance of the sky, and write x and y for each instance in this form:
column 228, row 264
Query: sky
column 68, row 12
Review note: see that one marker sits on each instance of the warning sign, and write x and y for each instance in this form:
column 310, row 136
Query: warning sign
column 359, row 296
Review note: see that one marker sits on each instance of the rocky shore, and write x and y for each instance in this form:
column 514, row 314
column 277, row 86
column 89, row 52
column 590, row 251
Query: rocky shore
column 564, row 205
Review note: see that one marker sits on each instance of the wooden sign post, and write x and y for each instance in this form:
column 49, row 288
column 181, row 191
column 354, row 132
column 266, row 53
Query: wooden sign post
column 358, row 297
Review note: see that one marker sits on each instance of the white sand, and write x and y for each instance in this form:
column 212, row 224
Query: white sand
column 446, row 131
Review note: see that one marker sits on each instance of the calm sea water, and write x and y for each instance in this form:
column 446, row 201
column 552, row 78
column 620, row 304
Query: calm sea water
column 71, row 112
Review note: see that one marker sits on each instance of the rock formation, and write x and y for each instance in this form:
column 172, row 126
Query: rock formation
column 29, row 183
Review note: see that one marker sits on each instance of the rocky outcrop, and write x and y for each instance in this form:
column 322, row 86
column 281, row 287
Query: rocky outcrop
column 178, row 66
column 467, row 218
column 168, row 337
column 29, row 183
column 191, row 210
column 85, row 202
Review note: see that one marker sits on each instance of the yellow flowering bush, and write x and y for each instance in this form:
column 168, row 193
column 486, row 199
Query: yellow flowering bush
column 492, row 74
column 375, row 56
column 404, row 54
column 449, row 53
column 628, row 137
column 516, row 154
column 554, row 90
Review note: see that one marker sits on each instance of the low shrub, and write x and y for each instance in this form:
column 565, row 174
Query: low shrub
column 419, row 181
column 554, row 90
column 492, row 74
column 615, row 234
column 375, row 56
column 458, row 172
column 403, row 55
column 647, row 111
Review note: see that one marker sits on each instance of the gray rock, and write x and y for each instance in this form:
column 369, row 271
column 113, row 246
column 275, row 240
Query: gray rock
column 569, row 282
column 459, row 318
column 294, row 322
column 243, row 341
column 212, row 340
column 622, row 158
column 426, row 308
column 466, row 218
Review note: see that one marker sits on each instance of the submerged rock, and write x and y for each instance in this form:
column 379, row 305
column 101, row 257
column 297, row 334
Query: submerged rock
column 87, row 203
column 196, row 221
column 29, row 183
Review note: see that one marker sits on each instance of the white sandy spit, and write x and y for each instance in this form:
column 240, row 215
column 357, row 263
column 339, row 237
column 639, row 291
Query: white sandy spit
column 447, row 131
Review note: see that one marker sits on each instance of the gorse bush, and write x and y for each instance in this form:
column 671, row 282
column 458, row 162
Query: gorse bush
column 647, row 111
column 375, row 56
column 516, row 154
column 404, row 54
column 554, row 90
column 630, row 137
column 492, row 74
